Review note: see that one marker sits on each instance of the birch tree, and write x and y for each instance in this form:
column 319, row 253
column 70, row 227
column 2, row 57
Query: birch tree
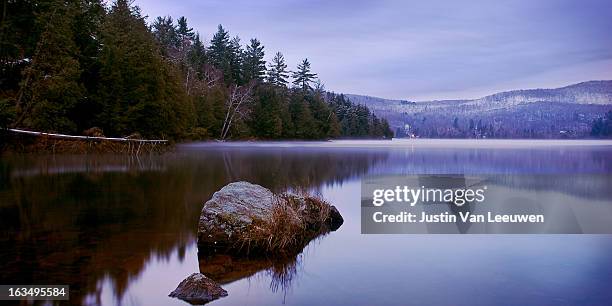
column 237, row 105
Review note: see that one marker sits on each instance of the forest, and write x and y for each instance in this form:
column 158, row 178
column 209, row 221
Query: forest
column 85, row 68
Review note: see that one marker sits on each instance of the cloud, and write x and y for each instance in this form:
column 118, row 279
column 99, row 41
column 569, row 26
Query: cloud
column 418, row 50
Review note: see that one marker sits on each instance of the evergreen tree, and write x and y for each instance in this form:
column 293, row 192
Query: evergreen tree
column 254, row 63
column 19, row 34
column 223, row 54
column 356, row 121
column 184, row 32
column 70, row 65
column 139, row 91
column 321, row 114
column 197, row 54
column 86, row 27
column 236, row 56
column 301, row 116
column 266, row 120
column 335, row 129
column 211, row 110
column 219, row 46
column 51, row 86
column 303, row 77
column 165, row 33
column 277, row 73
column 602, row 127
column 387, row 132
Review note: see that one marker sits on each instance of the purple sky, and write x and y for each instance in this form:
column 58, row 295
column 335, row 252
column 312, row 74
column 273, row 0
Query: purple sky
column 423, row 49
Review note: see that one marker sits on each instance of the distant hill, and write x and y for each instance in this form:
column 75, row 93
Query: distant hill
column 591, row 92
column 566, row 112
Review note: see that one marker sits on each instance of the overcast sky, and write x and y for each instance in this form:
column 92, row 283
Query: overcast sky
column 419, row 50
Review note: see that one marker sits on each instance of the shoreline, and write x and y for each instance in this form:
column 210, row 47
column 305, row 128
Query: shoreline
column 405, row 143
column 43, row 143
column 24, row 141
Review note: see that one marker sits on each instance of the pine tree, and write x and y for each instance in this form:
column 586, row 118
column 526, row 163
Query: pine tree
column 303, row 77
column 254, row 63
column 321, row 114
column 266, row 120
column 51, row 86
column 139, row 91
column 184, row 32
column 87, row 38
column 221, row 54
column 165, row 33
column 211, row 110
column 219, row 46
column 19, row 33
column 85, row 67
column 388, row 133
column 335, row 129
column 236, row 56
column 197, row 54
column 303, row 122
column 277, row 73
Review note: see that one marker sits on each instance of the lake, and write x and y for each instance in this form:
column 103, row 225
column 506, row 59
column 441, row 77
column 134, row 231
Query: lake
column 121, row 229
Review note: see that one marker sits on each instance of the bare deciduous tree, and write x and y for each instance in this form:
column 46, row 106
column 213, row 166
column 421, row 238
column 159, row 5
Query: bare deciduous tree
column 237, row 106
column 211, row 76
column 199, row 84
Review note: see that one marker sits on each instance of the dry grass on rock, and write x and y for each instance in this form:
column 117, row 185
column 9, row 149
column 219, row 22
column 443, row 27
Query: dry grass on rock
column 294, row 221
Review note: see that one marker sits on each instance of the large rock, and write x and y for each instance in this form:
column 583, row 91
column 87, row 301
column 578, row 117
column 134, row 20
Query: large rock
column 244, row 217
column 198, row 289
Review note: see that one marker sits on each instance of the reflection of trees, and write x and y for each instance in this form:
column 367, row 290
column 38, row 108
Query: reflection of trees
column 76, row 228
column 280, row 168
column 77, row 219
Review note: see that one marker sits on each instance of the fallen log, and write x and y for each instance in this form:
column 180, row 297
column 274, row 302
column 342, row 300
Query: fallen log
column 31, row 141
column 64, row 136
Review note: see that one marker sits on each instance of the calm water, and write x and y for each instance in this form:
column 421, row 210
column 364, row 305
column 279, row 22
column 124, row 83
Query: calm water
column 121, row 230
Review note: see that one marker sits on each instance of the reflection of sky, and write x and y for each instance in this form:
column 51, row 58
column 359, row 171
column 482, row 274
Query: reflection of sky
column 347, row 268
column 153, row 285
column 343, row 267
column 420, row 49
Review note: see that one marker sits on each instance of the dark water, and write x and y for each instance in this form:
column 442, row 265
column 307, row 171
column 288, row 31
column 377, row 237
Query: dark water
column 121, row 230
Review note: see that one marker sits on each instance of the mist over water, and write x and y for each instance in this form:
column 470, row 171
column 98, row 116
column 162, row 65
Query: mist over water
column 121, row 230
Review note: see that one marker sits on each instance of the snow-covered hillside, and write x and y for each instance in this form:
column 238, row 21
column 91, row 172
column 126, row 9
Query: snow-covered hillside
column 548, row 113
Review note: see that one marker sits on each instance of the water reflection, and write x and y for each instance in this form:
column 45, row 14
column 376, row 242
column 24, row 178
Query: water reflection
column 77, row 219
column 80, row 220
column 226, row 269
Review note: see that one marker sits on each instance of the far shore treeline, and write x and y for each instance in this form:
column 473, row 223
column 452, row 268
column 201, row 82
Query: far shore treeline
column 68, row 66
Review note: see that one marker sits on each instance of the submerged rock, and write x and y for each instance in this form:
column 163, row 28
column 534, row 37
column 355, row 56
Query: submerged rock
column 198, row 289
column 244, row 217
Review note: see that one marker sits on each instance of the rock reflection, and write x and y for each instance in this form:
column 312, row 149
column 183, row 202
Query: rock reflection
column 225, row 269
